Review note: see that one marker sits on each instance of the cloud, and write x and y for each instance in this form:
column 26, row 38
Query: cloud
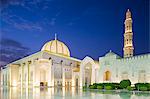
column 73, row 21
column 70, row 23
column 11, row 43
column 20, row 23
column 28, row 26
column 25, row 3
column 6, row 3
column 23, row 23
column 11, row 50
column 53, row 21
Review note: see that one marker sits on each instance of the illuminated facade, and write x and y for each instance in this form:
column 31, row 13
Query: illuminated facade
column 113, row 68
column 53, row 66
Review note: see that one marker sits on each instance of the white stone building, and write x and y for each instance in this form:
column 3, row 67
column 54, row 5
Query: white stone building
column 53, row 66
column 113, row 68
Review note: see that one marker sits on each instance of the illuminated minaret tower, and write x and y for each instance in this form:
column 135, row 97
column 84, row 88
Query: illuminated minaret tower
column 128, row 36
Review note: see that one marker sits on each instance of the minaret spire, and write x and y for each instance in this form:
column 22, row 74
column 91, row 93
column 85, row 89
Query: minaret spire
column 128, row 36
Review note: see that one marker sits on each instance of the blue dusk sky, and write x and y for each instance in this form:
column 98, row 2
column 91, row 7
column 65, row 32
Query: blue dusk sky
column 87, row 27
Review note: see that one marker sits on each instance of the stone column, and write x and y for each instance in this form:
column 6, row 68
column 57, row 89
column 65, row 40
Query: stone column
column 81, row 75
column 52, row 73
column 28, row 73
column 0, row 76
column 73, row 80
column 34, row 72
column 50, row 80
column 29, row 62
column 93, row 74
column 63, row 76
column 21, row 75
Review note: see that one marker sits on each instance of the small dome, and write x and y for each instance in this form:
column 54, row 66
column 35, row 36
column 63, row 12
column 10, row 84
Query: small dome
column 110, row 53
column 56, row 47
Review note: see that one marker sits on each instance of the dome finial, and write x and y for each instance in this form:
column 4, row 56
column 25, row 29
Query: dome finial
column 128, row 10
column 110, row 51
column 55, row 36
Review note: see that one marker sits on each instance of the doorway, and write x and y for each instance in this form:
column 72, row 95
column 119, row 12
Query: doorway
column 43, row 78
column 87, row 74
column 77, row 82
column 107, row 76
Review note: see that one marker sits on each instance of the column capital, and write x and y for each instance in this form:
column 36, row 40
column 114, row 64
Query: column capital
column 29, row 62
column 61, row 61
column 49, row 58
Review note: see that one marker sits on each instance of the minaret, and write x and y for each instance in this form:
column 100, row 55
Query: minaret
column 128, row 36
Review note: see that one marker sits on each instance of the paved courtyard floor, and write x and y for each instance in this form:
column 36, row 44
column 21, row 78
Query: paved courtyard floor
column 64, row 93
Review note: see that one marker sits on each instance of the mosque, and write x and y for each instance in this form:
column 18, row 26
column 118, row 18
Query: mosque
column 53, row 66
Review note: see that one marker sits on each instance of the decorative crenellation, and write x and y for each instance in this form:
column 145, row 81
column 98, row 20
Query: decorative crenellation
column 138, row 57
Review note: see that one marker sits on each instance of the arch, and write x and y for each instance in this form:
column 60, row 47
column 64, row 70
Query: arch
column 42, row 73
column 107, row 75
column 87, row 66
column 43, row 77
column 76, row 80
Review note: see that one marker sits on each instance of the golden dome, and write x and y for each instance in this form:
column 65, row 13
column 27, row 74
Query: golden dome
column 56, row 47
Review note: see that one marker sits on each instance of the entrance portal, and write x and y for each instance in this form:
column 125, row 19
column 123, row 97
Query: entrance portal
column 107, row 76
column 88, row 74
column 43, row 83
column 43, row 78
